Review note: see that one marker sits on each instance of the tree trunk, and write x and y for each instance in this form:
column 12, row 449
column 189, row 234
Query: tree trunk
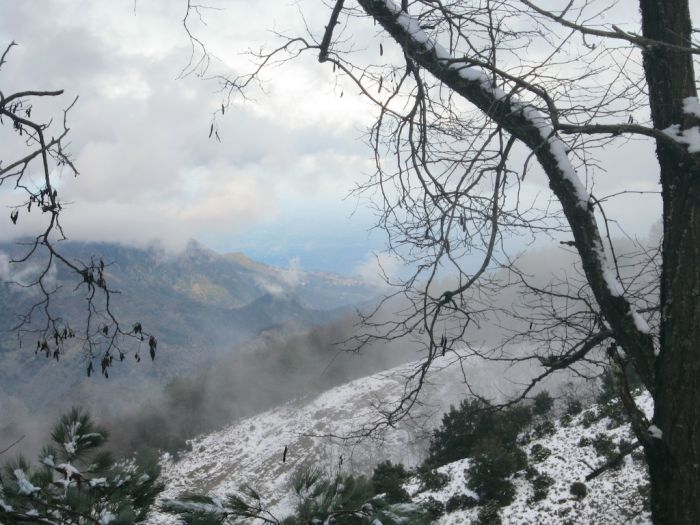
column 674, row 459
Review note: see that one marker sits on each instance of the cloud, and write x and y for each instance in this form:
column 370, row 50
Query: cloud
column 5, row 274
column 139, row 136
column 25, row 275
column 377, row 267
column 292, row 274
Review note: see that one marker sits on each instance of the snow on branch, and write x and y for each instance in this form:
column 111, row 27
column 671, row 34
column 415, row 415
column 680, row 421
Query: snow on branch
column 475, row 75
column 690, row 137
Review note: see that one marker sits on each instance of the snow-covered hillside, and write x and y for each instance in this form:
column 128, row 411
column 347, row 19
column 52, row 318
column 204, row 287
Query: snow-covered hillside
column 251, row 452
column 613, row 498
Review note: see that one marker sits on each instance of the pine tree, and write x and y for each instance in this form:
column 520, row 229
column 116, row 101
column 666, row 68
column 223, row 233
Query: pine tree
column 76, row 482
column 321, row 498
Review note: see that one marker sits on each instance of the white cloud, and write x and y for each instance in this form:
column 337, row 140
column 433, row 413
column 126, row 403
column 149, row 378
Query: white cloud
column 139, row 136
column 377, row 267
column 4, row 267
column 25, row 274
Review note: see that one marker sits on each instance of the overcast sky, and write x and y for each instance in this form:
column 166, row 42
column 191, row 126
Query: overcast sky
column 273, row 188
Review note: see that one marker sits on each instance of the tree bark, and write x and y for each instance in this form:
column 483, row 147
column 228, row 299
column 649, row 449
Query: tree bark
column 674, row 460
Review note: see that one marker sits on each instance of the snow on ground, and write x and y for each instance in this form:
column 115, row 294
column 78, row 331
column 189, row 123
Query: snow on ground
column 615, row 497
column 250, row 452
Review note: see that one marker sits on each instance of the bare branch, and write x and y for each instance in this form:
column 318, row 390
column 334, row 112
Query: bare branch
column 615, row 34
column 103, row 336
column 328, row 34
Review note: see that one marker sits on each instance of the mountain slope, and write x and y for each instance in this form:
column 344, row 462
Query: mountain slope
column 251, row 452
column 572, row 451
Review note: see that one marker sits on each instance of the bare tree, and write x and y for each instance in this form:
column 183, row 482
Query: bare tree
column 471, row 97
column 37, row 157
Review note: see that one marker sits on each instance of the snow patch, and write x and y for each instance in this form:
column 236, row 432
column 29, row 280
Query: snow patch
column 613, row 498
column 691, row 106
column 4, row 506
column 614, row 286
column 470, row 74
column 640, row 323
column 71, row 445
column 70, row 471
column 107, row 517
column 557, row 147
column 195, row 506
column 98, row 482
column 690, row 137
column 655, row 432
column 251, row 452
column 24, row 485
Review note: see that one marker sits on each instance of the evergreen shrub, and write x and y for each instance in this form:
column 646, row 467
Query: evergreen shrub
column 78, row 482
column 388, row 479
column 545, row 428
column 491, row 471
column 574, row 407
column 431, row 479
column 433, row 508
column 542, row 404
column 539, row 453
column 460, row 502
column 604, row 447
column 588, row 418
column 463, row 429
column 540, row 485
column 489, row 515
column 578, row 489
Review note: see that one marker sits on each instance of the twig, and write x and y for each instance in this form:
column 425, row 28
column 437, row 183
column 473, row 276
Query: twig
column 12, row 445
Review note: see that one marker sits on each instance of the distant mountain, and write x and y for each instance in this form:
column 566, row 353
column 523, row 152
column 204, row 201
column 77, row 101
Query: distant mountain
column 201, row 306
column 202, row 275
